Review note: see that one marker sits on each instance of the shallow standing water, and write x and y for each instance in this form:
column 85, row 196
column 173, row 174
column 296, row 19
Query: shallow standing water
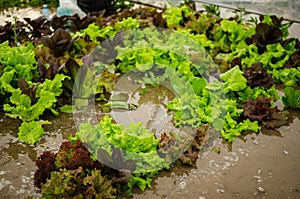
column 264, row 165
column 261, row 166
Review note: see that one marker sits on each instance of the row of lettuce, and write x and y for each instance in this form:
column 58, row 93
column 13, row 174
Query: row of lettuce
column 40, row 78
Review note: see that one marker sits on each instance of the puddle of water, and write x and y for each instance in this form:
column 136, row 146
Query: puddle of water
column 152, row 110
column 17, row 159
column 261, row 166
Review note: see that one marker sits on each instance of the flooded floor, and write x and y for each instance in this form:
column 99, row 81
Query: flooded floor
column 261, row 166
column 264, row 165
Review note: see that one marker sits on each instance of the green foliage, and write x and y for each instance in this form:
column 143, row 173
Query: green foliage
column 230, row 38
column 135, row 140
column 46, row 98
column 20, row 106
column 235, row 86
column 187, row 111
column 291, row 98
column 233, row 129
column 66, row 109
column 32, row 131
column 174, row 15
column 78, row 184
column 5, row 82
column 213, row 10
column 289, row 76
column 138, row 143
column 230, row 35
column 20, row 59
column 233, row 80
column 96, row 33
column 139, row 181
column 126, row 24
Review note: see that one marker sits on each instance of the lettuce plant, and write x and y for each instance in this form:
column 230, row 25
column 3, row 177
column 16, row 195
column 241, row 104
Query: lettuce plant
column 175, row 16
column 256, row 75
column 71, row 156
column 78, row 184
column 291, row 98
column 59, row 43
column 21, row 106
column 46, row 164
column 262, row 110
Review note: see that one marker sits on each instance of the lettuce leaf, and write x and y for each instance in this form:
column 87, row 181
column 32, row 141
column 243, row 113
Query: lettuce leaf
column 32, row 131
column 5, row 82
column 291, row 98
column 234, row 80
column 288, row 76
column 233, row 129
column 46, row 94
column 21, row 107
column 137, row 143
column 174, row 16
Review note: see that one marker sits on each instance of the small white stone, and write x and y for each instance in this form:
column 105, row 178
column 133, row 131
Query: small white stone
column 3, row 172
column 285, row 152
column 256, row 142
column 182, row 184
column 221, row 190
column 259, row 172
column 202, row 197
column 260, row 189
column 257, row 177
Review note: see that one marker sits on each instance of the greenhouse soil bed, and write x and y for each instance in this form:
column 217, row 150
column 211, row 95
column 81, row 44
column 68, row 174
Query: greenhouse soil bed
column 255, row 165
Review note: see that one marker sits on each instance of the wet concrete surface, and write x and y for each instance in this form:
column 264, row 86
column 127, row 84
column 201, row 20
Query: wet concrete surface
column 17, row 159
column 264, row 165
column 261, row 166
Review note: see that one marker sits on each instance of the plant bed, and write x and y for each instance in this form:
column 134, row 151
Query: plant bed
column 222, row 73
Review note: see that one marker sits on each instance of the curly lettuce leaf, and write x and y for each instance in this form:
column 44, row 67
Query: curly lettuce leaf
column 5, row 82
column 138, row 142
column 46, row 94
column 233, row 129
column 20, row 59
column 234, row 80
column 31, row 132
column 174, row 15
column 291, row 98
column 288, row 76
